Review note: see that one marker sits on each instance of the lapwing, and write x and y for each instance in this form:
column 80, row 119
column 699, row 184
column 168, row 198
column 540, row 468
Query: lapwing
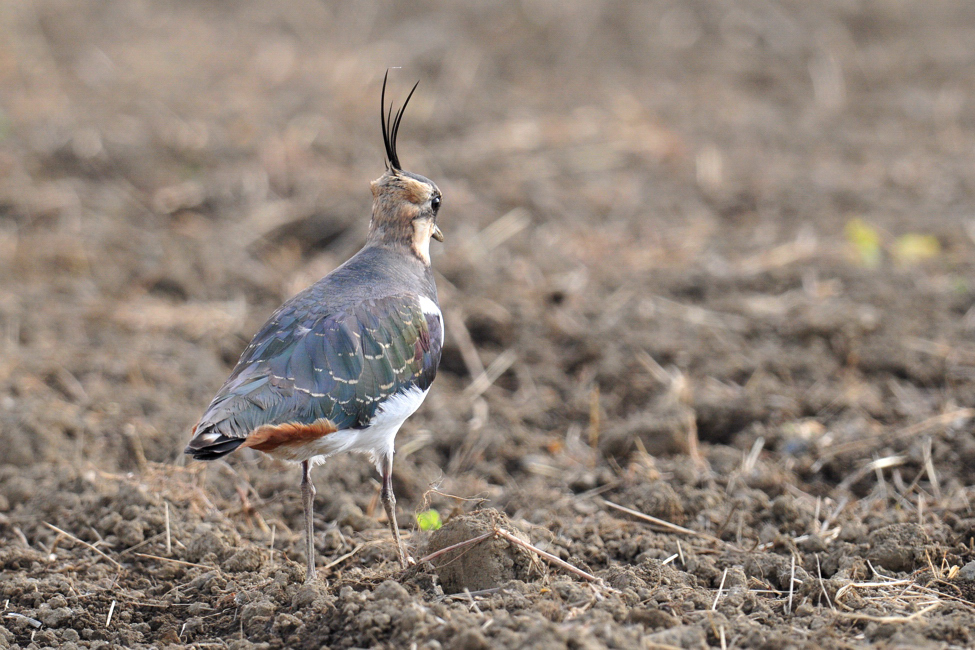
column 341, row 365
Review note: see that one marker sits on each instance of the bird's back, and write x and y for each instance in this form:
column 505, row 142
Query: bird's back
column 328, row 358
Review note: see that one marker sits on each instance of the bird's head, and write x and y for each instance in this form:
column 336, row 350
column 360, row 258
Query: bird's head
column 405, row 205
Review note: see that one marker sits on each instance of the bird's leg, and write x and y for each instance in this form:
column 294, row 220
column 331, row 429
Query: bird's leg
column 389, row 503
column 308, row 500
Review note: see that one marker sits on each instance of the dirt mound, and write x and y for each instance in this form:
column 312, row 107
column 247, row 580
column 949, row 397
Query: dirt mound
column 481, row 558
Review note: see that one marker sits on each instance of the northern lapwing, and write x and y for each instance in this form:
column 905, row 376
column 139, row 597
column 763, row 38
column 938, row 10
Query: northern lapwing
column 344, row 363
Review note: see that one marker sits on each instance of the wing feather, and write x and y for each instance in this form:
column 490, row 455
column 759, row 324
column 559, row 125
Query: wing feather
column 306, row 364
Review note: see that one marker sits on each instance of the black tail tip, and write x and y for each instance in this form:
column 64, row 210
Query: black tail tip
column 214, row 450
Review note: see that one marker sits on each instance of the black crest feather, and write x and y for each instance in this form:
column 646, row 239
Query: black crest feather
column 390, row 124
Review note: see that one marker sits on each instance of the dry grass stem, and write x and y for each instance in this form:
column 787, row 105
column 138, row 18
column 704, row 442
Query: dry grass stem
column 473, row 594
column 137, row 449
column 33, row 622
column 665, row 524
column 875, row 466
column 594, row 418
column 468, row 542
column 473, row 603
column 500, row 230
column 803, row 247
column 169, row 536
column 871, row 441
column 547, row 556
column 490, row 375
column 658, row 372
column 462, row 337
column 84, row 543
column 903, row 598
column 343, row 558
column 145, row 542
column 792, row 585
column 822, row 584
column 717, row 596
column 111, row 610
column 929, row 468
column 174, row 561
column 695, row 315
column 748, row 464
column 891, row 619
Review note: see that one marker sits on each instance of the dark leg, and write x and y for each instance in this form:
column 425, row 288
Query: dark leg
column 389, row 503
column 308, row 500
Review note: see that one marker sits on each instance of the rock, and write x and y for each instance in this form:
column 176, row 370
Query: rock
column 967, row 572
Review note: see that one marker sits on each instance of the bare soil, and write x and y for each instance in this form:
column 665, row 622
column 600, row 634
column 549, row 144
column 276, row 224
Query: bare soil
column 744, row 224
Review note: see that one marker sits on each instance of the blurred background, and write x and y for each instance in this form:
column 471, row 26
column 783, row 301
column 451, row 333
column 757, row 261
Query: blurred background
column 745, row 222
column 172, row 171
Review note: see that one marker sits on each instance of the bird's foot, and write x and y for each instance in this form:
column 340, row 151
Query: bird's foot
column 405, row 559
column 310, row 575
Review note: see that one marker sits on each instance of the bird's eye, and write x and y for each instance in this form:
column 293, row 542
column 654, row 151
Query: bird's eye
column 435, row 203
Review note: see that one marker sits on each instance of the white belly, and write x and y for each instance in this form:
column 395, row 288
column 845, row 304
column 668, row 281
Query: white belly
column 377, row 439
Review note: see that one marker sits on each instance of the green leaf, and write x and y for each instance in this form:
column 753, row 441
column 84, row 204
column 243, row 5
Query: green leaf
column 865, row 240
column 428, row 520
column 913, row 248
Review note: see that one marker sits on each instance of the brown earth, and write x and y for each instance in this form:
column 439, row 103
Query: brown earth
column 750, row 221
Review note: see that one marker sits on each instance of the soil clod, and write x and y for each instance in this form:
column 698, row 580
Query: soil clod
column 478, row 565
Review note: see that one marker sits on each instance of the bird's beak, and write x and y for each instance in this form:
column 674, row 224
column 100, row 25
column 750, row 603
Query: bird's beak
column 437, row 234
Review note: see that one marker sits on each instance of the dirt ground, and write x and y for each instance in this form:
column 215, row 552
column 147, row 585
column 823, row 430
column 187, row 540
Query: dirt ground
column 749, row 222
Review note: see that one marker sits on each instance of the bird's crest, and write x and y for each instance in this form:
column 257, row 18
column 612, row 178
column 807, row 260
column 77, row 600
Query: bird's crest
column 390, row 124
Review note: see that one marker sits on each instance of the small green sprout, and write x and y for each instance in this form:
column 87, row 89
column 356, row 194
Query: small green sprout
column 865, row 240
column 429, row 520
column 913, row 248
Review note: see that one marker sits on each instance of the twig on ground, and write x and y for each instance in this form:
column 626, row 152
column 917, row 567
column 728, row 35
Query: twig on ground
column 501, row 532
column 548, row 556
column 792, row 585
column 935, row 422
column 468, row 542
column 33, row 622
column 132, row 435
column 84, row 543
column 470, row 599
column 491, row 374
column 666, row 524
column 594, row 421
column 929, row 468
column 169, row 535
column 343, row 558
column 462, row 337
column 822, row 584
column 174, row 561
column 876, row 466
column 474, row 594
column 717, row 597
column 890, row 619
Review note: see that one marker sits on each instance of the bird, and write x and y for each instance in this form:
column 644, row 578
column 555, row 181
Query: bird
column 341, row 365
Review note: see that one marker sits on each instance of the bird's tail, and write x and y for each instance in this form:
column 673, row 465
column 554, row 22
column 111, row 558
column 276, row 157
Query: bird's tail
column 209, row 445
